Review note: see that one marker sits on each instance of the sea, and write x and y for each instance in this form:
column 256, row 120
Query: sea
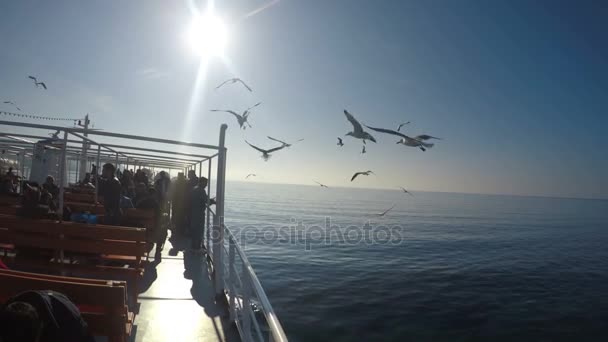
column 437, row 267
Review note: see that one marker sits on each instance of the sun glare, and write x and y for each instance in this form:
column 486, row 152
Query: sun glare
column 208, row 36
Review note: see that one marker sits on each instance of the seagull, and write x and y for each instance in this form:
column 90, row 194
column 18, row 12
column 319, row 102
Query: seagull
column 363, row 150
column 362, row 173
column 406, row 192
column 250, row 175
column 340, row 143
column 358, row 131
column 401, row 125
column 234, row 80
column 282, row 142
column 241, row 118
column 12, row 103
column 322, row 185
column 386, row 211
column 405, row 140
column 37, row 83
column 425, row 137
column 266, row 153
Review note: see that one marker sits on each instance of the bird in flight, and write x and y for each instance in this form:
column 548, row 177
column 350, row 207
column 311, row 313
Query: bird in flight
column 405, row 140
column 361, row 173
column 12, row 103
column 242, row 119
column 266, row 153
column 282, row 142
column 37, row 83
column 250, row 175
column 340, row 143
column 406, row 192
column 401, row 125
column 386, row 211
column 363, row 150
column 232, row 81
column 321, row 185
column 358, row 131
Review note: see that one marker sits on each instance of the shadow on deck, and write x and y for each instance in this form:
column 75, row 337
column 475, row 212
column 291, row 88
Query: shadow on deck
column 173, row 308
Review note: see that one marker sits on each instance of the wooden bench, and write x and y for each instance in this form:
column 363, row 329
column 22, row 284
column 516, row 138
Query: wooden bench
column 81, row 207
column 91, row 250
column 102, row 303
column 9, row 201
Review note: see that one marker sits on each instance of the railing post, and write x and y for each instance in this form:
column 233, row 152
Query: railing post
column 218, row 220
column 96, row 174
column 62, row 171
column 245, row 315
column 207, row 229
column 232, row 278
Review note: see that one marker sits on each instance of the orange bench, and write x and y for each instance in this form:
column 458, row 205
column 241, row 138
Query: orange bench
column 102, row 303
column 92, row 250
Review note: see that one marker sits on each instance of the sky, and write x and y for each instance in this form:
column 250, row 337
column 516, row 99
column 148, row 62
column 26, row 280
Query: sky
column 517, row 89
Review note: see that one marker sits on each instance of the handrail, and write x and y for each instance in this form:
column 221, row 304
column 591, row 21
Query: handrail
column 276, row 330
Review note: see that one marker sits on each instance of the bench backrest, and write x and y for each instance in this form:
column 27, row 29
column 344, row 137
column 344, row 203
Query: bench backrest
column 103, row 304
column 73, row 237
column 6, row 200
column 81, row 197
column 81, row 207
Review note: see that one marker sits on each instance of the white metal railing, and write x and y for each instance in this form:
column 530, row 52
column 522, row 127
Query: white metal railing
column 248, row 304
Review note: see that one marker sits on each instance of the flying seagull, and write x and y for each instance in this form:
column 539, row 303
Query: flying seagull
column 250, row 175
column 37, row 83
column 241, row 118
column 232, row 81
column 406, row 192
column 358, row 131
column 405, row 140
column 282, row 142
column 340, row 143
column 265, row 153
column 12, row 103
column 386, row 211
column 363, row 150
column 403, row 124
column 322, row 185
column 362, row 173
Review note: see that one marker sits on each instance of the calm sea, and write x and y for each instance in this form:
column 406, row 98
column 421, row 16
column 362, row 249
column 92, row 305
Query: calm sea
column 438, row 267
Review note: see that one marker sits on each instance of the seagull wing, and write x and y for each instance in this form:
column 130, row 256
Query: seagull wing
column 355, row 176
column 356, row 125
column 244, row 84
column 276, row 149
column 221, row 84
column 43, row 85
column 425, row 137
column 257, row 148
column 32, row 78
column 403, row 124
column 386, row 211
column 388, row 131
column 277, row 140
column 255, row 105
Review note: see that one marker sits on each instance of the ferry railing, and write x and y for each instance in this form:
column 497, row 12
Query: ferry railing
column 248, row 305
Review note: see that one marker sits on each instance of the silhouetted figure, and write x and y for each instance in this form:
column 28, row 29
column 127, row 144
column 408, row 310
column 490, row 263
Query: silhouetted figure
column 198, row 205
column 110, row 189
column 42, row 316
column 178, row 210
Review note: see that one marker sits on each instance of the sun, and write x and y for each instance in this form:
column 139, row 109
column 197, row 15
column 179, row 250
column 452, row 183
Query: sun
column 208, row 36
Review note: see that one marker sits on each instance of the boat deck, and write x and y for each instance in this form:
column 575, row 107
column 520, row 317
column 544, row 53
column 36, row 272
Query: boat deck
column 174, row 308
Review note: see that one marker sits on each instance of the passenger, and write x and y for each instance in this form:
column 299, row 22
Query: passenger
column 33, row 204
column 162, row 189
column 42, row 316
column 198, row 200
column 52, row 188
column 178, row 212
column 110, row 190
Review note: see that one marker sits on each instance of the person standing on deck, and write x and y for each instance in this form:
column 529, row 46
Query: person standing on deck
column 178, row 213
column 198, row 205
column 191, row 184
column 110, row 189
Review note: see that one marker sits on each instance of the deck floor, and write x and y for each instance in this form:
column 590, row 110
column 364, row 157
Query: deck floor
column 174, row 308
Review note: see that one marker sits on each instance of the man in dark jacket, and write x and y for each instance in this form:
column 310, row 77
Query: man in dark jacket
column 110, row 189
column 42, row 316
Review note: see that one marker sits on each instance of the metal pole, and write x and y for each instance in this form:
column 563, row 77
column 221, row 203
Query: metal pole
column 207, row 230
column 62, row 171
column 97, row 173
column 83, row 160
column 232, row 278
column 218, row 220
